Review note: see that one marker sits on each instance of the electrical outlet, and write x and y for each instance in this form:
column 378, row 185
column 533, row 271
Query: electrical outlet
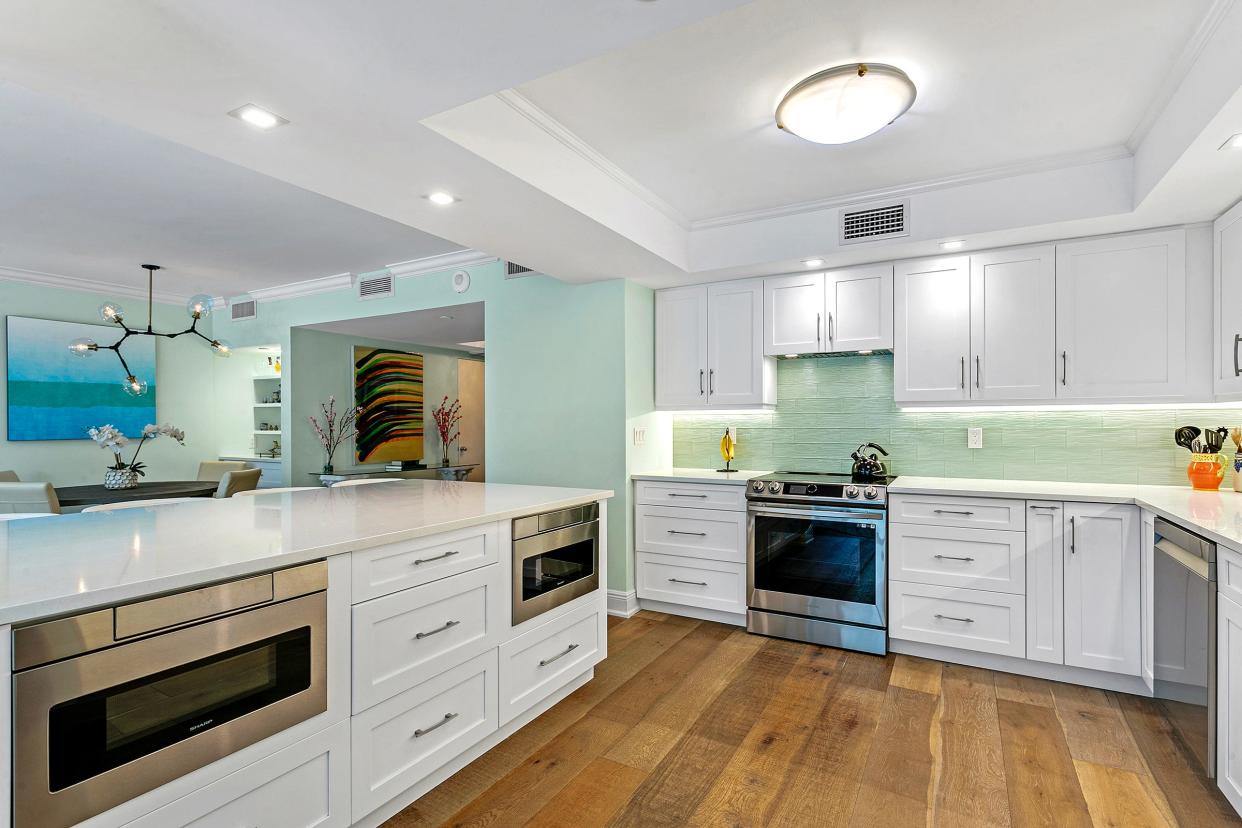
column 640, row 435
column 974, row 438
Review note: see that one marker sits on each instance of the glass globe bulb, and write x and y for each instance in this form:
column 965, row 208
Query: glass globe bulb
column 221, row 348
column 111, row 312
column 134, row 386
column 83, row 346
column 199, row 306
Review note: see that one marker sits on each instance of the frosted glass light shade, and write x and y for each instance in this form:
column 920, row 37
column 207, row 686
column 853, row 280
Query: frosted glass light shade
column 845, row 103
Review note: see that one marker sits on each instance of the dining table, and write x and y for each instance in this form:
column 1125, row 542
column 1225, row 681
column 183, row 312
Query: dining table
column 93, row 495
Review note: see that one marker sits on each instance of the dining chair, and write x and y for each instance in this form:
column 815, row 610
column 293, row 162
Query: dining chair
column 238, row 480
column 365, row 480
column 7, row 476
column 276, row 490
column 215, row 469
column 21, row 515
column 139, row 504
column 16, row 498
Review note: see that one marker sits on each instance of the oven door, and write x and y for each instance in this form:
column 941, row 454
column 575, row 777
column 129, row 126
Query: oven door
column 817, row 561
column 553, row 568
column 100, row 729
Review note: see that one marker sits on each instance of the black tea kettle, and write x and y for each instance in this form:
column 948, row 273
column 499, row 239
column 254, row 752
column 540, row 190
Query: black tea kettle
column 869, row 466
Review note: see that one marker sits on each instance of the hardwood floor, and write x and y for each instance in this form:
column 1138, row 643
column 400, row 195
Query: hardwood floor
column 695, row 723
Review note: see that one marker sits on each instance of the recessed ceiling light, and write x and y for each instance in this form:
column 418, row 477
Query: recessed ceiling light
column 445, row 316
column 258, row 117
column 864, row 353
column 955, row 244
column 791, row 356
column 480, row 344
column 845, row 103
column 1234, row 142
column 812, row 262
column 441, row 198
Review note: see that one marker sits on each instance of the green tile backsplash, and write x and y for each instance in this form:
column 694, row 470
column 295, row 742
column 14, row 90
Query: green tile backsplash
column 828, row 406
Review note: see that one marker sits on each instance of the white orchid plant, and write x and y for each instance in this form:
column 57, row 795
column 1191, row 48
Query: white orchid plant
column 111, row 438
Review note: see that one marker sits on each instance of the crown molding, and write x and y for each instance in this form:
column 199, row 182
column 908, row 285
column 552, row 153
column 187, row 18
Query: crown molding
column 443, row 261
column 1056, row 162
column 62, row 282
column 307, row 287
column 527, row 108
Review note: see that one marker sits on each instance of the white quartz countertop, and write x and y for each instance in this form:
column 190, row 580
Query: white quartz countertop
column 56, row 565
column 735, row 478
column 1214, row 515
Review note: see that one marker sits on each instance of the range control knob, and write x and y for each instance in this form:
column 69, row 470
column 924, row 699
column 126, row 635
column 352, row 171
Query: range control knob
column 871, row 493
column 851, row 492
column 774, row 487
column 811, row 488
column 756, row 485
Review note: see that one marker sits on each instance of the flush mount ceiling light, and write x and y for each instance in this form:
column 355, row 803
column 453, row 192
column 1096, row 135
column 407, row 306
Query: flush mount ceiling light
column 812, row 262
column 441, row 198
column 1234, row 142
column 845, row 103
column 258, row 117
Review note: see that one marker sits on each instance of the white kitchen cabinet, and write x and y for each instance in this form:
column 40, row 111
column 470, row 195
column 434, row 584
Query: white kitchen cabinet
column 1103, row 624
column 932, row 333
column 1147, row 550
column 681, row 347
column 1045, row 582
column 859, row 308
column 1227, row 274
column 1229, row 700
column 1012, row 324
column 793, row 314
column 1121, row 318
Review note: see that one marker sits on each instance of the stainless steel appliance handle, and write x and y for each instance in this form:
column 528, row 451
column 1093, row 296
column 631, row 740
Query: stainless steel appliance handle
column 545, row 662
column 821, row 513
column 951, row 512
column 692, row 583
column 447, row 554
column 423, row 731
column 695, row 534
column 678, row 494
column 448, row 625
column 954, row 618
column 952, row 558
column 1073, row 535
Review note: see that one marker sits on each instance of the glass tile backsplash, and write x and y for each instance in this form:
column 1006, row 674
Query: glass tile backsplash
column 828, row 406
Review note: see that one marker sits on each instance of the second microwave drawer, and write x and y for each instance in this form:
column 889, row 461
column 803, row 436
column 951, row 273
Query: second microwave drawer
column 716, row 585
column 950, row 556
column 402, row 639
column 695, row 533
column 971, row 619
column 395, row 566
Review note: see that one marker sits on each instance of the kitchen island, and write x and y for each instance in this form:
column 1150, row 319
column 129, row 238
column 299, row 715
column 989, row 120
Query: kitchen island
column 418, row 632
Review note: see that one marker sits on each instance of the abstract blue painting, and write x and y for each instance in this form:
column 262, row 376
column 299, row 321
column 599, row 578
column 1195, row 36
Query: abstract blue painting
column 56, row 395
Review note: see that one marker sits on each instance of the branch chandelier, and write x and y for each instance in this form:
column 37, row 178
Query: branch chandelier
column 199, row 307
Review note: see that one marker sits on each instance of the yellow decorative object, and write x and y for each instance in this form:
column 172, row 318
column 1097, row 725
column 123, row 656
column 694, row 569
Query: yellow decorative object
column 728, row 448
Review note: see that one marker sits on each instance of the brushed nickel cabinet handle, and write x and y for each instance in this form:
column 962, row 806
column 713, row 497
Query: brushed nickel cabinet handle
column 1073, row 536
column 978, row 372
column 1038, row 506
column 692, row 583
column 423, row 731
column 951, row 512
column 448, row 625
column 951, row 558
column 1064, row 367
column 818, row 321
column 832, row 334
column 711, row 381
column 545, row 662
column 448, row 554
column 700, row 382
column 954, row 618
column 963, row 372
column 1237, row 339
column 678, row 494
column 695, row 534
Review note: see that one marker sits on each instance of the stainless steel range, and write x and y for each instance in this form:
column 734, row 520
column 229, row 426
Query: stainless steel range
column 816, row 562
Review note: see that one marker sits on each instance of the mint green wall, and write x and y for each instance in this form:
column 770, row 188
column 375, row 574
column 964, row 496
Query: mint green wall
column 554, row 382
column 826, row 407
column 184, row 376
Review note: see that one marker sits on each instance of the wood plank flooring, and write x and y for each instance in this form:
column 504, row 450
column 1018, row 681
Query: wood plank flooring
column 695, row 723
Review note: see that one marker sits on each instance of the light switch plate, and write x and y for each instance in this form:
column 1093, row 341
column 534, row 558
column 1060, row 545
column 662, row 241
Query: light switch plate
column 974, row 438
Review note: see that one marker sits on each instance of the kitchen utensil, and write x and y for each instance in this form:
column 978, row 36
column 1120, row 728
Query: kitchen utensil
column 1185, row 437
column 1236, row 435
column 869, row 466
column 1214, row 440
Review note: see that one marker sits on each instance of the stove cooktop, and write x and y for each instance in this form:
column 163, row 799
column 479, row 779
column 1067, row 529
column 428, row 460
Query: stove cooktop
column 818, row 487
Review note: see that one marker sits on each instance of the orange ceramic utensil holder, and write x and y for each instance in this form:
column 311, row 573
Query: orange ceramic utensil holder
column 1206, row 471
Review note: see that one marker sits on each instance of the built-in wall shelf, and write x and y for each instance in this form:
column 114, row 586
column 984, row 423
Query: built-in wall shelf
column 274, row 432
column 267, row 405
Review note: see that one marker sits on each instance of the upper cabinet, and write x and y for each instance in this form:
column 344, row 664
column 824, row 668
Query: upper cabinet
column 932, row 312
column 1227, row 271
column 709, row 347
column 1121, row 318
column 1012, row 328
column 840, row 311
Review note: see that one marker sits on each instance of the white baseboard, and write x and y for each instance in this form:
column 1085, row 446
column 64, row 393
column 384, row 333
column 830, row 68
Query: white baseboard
column 735, row 618
column 621, row 603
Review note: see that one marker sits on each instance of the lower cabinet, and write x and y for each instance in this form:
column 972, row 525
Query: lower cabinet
column 1045, row 582
column 1229, row 700
column 1103, row 617
column 973, row 619
column 537, row 663
column 306, row 785
column 714, row 585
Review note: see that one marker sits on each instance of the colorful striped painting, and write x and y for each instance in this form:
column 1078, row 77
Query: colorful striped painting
column 388, row 387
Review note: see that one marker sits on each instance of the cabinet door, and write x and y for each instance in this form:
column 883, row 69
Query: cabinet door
column 1121, row 317
column 1229, row 700
column 735, row 360
column 681, row 347
column 932, row 329
column 1227, row 260
column 860, row 308
column 1045, row 582
column 1013, row 324
column 1103, row 626
column 793, row 314
column 1147, row 541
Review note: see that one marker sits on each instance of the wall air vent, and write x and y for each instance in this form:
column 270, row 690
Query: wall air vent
column 375, row 285
column 872, row 222
column 513, row 270
column 243, row 307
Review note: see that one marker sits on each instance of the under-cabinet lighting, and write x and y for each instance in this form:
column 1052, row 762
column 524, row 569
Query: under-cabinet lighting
column 791, row 356
column 864, row 353
column 1017, row 409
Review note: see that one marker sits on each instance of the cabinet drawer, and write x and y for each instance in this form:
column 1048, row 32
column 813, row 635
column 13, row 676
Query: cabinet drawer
column 951, row 556
column 691, row 495
column 395, row 566
column 401, row 639
column 695, row 533
column 1229, row 573
column 538, row 663
column 987, row 622
column 709, row 584
column 976, row 512
column 304, row 785
column 400, row 741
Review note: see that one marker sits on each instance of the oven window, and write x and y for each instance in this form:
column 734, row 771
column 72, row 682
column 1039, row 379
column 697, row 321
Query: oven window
column 108, row 728
column 831, row 559
column 552, row 570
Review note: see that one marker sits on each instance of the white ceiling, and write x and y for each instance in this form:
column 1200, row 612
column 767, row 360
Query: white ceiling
column 425, row 327
column 689, row 114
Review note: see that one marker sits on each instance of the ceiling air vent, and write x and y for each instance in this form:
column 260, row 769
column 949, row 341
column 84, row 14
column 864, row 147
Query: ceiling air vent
column 513, row 270
column 243, row 307
column 375, row 285
column 874, row 221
